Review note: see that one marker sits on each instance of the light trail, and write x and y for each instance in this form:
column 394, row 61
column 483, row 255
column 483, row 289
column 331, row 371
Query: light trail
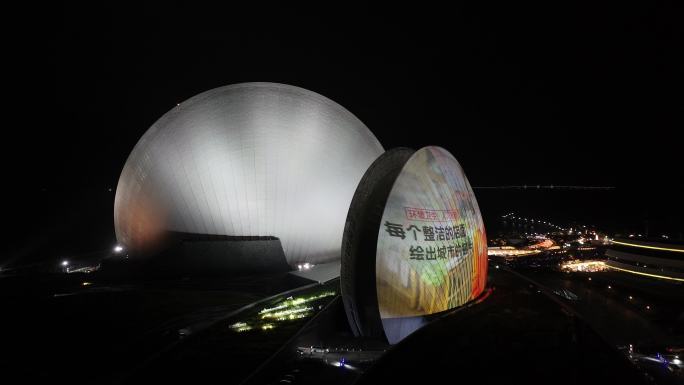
column 648, row 274
column 648, row 247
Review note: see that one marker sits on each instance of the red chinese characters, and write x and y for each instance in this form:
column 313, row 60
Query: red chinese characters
column 428, row 215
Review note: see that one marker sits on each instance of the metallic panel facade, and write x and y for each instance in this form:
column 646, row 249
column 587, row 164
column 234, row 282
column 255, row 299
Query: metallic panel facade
column 251, row 159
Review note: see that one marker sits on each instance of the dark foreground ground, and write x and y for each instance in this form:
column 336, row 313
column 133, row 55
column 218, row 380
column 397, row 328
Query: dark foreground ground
column 81, row 329
column 210, row 331
column 520, row 333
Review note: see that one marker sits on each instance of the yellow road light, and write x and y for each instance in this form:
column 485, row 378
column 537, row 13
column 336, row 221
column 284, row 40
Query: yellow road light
column 649, row 247
column 648, row 274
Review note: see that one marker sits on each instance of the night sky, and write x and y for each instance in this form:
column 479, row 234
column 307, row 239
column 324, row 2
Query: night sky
column 550, row 94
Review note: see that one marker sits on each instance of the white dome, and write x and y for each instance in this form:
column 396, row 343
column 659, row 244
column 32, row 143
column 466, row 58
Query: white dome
column 251, row 159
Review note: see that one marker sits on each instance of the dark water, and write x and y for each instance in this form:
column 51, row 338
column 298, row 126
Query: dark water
column 620, row 210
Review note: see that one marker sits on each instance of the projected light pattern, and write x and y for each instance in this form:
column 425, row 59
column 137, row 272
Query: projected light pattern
column 432, row 253
column 288, row 309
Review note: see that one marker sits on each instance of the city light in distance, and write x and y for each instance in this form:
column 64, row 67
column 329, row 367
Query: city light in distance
column 533, row 220
column 585, row 266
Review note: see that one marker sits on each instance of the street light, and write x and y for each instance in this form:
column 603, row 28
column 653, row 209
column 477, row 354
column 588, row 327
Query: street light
column 65, row 263
column 118, row 249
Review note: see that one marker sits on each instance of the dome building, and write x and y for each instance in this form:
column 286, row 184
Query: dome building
column 246, row 161
column 415, row 238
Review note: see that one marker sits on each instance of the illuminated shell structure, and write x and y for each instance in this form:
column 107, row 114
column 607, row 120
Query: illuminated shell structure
column 414, row 237
column 246, row 160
